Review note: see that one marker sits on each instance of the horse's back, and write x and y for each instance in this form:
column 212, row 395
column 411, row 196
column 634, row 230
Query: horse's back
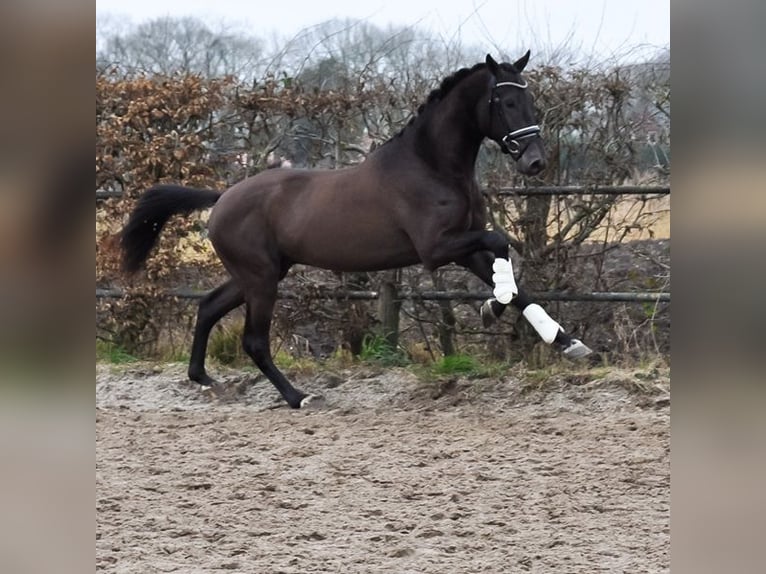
column 336, row 219
column 254, row 197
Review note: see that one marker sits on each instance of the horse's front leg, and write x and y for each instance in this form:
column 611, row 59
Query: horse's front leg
column 498, row 273
column 486, row 254
column 449, row 248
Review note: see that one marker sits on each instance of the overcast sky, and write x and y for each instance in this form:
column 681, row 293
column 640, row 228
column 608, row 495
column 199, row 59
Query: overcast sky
column 600, row 28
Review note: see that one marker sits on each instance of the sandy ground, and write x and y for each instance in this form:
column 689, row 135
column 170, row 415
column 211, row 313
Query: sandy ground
column 391, row 474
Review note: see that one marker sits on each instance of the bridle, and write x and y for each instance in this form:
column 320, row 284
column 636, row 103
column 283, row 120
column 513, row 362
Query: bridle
column 509, row 143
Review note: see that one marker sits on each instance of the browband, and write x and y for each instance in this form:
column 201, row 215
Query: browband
column 514, row 84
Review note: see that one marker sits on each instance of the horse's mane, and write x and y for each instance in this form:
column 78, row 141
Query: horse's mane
column 446, row 85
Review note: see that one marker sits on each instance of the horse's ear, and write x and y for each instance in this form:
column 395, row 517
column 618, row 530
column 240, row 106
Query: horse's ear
column 492, row 65
column 521, row 63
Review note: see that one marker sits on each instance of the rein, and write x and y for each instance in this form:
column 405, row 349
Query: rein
column 509, row 143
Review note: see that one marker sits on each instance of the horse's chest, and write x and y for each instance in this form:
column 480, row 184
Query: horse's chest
column 454, row 212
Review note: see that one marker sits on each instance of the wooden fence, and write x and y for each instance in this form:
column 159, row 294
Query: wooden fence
column 624, row 297
column 390, row 296
column 599, row 296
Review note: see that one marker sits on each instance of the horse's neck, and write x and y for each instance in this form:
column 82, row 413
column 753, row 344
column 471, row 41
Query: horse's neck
column 451, row 137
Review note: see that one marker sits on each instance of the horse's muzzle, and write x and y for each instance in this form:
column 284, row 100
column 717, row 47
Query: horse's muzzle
column 532, row 161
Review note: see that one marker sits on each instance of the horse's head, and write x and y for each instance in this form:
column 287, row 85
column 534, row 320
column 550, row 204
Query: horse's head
column 512, row 121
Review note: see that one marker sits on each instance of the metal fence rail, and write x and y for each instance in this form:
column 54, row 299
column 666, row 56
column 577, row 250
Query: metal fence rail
column 107, row 194
column 580, row 190
column 602, row 296
column 520, row 191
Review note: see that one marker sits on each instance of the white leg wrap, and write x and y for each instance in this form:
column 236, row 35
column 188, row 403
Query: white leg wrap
column 505, row 283
column 546, row 327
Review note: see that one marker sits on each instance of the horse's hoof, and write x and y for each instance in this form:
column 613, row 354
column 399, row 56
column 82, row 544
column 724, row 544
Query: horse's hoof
column 312, row 402
column 204, row 381
column 488, row 314
column 577, row 350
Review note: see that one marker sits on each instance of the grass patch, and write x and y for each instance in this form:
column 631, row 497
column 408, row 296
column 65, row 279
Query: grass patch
column 376, row 348
column 457, row 365
column 109, row 352
column 175, row 355
column 225, row 345
column 642, row 378
column 470, row 366
column 296, row 365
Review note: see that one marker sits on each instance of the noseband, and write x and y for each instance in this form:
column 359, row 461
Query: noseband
column 510, row 143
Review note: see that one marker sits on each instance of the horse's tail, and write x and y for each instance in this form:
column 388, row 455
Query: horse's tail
column 153, row 210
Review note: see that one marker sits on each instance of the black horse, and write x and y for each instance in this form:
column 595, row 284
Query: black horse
column 415, row 199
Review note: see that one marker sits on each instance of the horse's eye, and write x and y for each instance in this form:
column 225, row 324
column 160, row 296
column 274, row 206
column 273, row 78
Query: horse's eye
column 509, row 104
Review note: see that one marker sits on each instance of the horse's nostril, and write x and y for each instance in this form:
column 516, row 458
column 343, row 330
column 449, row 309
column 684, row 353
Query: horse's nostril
column 537, row 166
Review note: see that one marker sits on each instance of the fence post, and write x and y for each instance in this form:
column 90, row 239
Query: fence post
column 446, row 326
column 388, row 308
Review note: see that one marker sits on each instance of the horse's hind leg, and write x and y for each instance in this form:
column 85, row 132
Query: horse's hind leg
column 550, row 331
column 212, row 309
column 260, row 301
